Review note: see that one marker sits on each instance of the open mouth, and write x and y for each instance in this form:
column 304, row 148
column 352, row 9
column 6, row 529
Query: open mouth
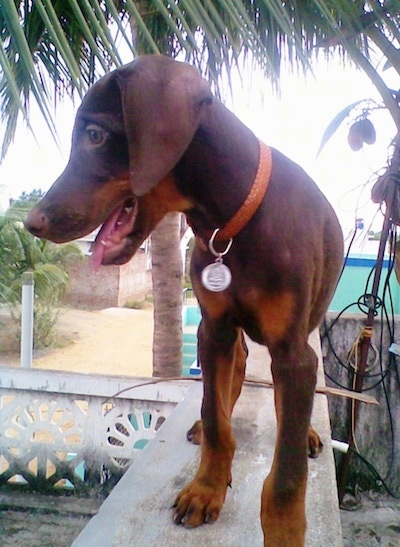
column 112, row 233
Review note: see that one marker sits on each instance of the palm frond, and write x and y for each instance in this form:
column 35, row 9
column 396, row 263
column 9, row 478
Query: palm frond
column 50, row 281
column 18, row 51
column 52, row 47
column 7, row 295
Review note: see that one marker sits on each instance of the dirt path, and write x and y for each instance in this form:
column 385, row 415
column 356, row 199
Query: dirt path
column 110, row 341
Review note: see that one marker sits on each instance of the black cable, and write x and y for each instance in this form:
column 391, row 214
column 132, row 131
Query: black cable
column 351, row 370
column 390, row 327
column 385, row 304
column 375, row 473
column 348, row 251
column 377, row 303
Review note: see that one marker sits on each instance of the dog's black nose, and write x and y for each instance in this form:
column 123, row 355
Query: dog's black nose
column 37, row 223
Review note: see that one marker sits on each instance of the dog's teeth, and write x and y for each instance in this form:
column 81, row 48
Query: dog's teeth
column 119, row 223
column 104, row 243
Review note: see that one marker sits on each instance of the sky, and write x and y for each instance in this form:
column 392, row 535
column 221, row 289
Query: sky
column 293, row 122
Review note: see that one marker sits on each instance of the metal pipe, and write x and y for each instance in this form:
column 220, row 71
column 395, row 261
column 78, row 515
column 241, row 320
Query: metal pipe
column 27, row 320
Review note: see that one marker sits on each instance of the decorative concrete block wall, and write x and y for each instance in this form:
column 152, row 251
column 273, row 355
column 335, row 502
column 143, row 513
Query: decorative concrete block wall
column 72, row 430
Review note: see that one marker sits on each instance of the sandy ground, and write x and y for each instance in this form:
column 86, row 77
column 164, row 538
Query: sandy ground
column 110, row 341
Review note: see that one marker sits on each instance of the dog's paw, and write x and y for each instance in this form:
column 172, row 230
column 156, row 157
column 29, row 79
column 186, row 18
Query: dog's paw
column 195, row 433
column 315, row 444
column 198, row 504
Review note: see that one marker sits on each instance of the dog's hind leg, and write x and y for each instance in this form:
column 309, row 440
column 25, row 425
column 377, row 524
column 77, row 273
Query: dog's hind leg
column 315, row 445
column 294, row 367
column 223, row 355
column 195, row 433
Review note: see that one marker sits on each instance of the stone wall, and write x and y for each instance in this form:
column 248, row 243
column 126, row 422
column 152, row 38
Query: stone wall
column 378, row 428
column 111, row 286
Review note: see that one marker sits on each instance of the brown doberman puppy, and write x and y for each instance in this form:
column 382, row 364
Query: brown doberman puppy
column 149, row 138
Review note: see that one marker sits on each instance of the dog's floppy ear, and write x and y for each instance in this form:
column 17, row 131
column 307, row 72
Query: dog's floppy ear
column 162, row 101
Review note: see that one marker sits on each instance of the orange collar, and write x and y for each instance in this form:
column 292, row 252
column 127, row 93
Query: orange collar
column 252, row 202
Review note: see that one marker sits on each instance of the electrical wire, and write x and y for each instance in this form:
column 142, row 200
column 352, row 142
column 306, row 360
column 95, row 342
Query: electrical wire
column 378, row 304
column 385, row 306
column 380, row 481
column 391, row 327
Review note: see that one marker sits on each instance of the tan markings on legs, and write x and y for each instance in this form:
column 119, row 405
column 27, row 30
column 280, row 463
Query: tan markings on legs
column 195, row 433
column 315, row 445
column 276, row 315
column 273, row 313
column 283, row 498
column 285, row 525
column 222, row 356
column 215, row 304
column 239, row 370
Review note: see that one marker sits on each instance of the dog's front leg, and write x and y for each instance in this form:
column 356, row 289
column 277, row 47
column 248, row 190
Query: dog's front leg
column 283, row 518
column 220, row 345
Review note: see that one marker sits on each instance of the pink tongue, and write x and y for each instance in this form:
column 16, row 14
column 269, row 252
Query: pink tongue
column 98, row 248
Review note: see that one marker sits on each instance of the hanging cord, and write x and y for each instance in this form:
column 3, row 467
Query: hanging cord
column 387, row 295
column 353, row 355
column 383, row 306
column 364, row 303
column 353, row 360
column 380, row 481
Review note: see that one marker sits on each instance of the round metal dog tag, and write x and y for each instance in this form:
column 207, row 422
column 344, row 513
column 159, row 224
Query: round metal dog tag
column 216, row 277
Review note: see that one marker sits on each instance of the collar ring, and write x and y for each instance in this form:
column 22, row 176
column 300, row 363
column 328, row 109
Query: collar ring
column 212, row 248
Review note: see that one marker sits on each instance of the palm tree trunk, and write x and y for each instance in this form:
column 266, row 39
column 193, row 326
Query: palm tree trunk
column 167, row 292
column 166, row 264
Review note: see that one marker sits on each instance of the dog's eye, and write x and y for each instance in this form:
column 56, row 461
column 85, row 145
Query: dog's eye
column 96, row 134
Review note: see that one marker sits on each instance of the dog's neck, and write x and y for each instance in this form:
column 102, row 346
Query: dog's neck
column 220, row 172
column 253, row 200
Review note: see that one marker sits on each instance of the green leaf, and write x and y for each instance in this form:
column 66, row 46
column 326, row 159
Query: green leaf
column 336, row 122
column 12, row 20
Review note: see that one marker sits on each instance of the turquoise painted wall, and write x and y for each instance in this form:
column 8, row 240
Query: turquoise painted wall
column 352, row 284
column 191, row 315
column 351, row 287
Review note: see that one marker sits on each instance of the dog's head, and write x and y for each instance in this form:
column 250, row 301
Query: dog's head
column 131, row 130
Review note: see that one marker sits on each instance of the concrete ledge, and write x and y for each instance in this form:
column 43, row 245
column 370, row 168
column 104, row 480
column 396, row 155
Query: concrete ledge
column 99, row 385
column 137, row 512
